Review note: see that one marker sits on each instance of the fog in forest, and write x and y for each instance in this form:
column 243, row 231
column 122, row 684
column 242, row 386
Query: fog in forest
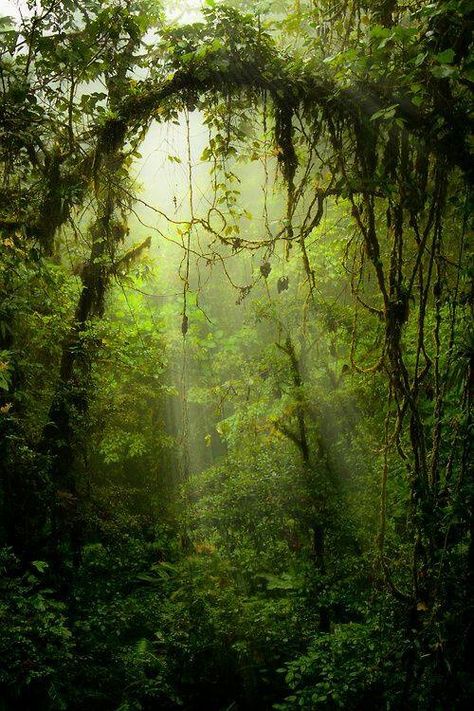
column 236, row 355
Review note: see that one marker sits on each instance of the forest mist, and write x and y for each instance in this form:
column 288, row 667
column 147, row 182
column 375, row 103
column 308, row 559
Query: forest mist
column 236, row 355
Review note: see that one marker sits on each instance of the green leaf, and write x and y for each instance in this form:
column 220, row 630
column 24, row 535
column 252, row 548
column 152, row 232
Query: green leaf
column 142, row 646
column 446, row 57
column 40, row 565
column 420, row 58
column 385, row 114
column 443, row 72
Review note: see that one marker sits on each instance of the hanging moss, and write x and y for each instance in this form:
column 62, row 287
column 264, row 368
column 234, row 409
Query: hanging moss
column 288, row 161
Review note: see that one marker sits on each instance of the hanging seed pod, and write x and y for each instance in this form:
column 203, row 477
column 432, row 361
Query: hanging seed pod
column 265, row 269
column 282, row 284
column 184, row 325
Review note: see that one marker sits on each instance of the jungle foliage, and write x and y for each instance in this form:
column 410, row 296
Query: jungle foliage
column 236, row 419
